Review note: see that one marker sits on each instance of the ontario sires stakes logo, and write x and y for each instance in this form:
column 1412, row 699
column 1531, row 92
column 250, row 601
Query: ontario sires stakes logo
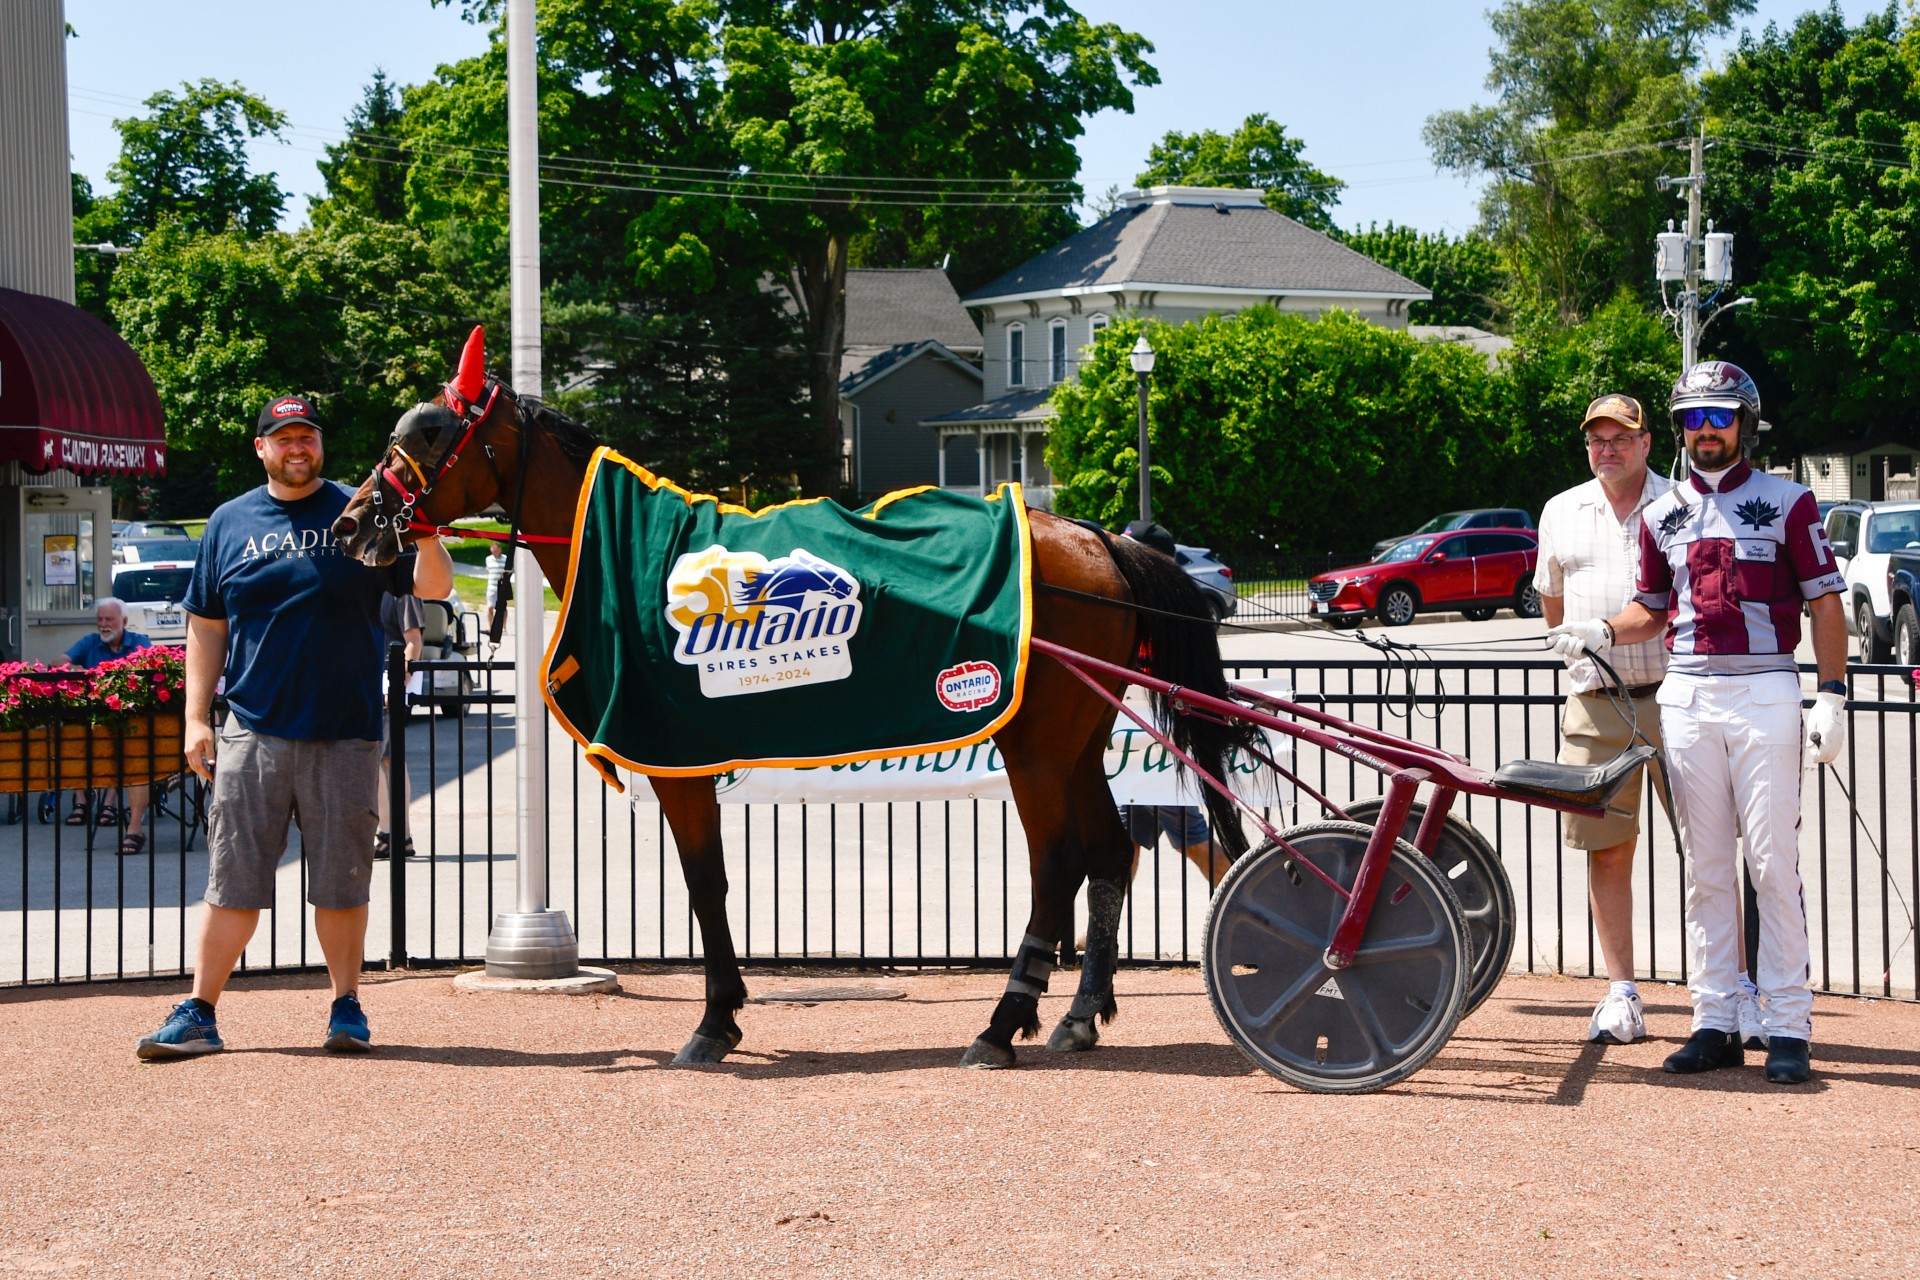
column 748, row 624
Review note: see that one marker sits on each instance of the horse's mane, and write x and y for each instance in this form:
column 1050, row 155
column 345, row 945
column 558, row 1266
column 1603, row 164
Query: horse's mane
column 576, row 439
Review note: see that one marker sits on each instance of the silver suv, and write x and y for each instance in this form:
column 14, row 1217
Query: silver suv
column 1214, row 579
column 1863, row 535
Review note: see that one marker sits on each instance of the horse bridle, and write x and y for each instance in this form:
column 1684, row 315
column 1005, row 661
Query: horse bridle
column 470, row 415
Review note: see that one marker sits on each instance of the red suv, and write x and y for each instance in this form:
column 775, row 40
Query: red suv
column 1475, row 571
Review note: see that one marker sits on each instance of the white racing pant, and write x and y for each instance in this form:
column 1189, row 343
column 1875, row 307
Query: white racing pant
column 1733, row 745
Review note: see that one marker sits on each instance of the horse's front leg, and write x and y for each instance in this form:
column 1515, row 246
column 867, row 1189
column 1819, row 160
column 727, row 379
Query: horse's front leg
column 693, row 813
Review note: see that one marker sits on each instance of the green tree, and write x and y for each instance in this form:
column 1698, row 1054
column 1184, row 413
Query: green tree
column 186, row 159
column 368, row 172
column 94, row 222
column 756, row 142
column 1590, row 95
column 1816, row 170
column 1258, row 154
column 353, row 314
column 1464, row 275
column 1272, row 429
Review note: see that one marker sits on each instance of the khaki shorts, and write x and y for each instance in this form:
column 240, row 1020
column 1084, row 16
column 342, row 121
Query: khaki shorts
column 261, row 784
column 1593, row 732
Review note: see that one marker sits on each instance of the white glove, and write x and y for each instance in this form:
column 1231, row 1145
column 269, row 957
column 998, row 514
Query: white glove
column 1826, row 728
column 1572, row 640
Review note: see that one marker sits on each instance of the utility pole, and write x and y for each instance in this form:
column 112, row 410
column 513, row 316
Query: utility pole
column 1690, row 300
column 1694, row 258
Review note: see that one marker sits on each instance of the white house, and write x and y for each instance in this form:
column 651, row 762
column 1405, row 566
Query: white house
column 1167, row 253
column 1872, row 471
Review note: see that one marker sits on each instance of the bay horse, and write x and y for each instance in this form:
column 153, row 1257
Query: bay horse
column 478, row 444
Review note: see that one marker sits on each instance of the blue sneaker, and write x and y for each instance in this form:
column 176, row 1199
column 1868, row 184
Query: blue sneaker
column 186, row 1032
column 347, row 1027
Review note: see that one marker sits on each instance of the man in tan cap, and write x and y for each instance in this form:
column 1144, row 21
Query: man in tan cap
column 1589, row 561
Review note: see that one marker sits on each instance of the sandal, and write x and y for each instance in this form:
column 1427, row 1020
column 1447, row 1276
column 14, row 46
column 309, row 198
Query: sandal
column 109, row 816
column 132, row 845
column 78, row 817
column 381, row 846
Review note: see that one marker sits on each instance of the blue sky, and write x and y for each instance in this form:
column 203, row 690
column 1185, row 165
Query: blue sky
column 1355, row 80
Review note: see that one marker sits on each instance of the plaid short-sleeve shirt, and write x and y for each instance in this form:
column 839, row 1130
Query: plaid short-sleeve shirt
column 1591, row 559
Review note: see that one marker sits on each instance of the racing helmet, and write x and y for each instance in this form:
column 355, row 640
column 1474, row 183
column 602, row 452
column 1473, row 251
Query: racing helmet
column 1715, row 383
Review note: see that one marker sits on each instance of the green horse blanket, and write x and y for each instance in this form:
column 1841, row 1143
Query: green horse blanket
column 697, row 637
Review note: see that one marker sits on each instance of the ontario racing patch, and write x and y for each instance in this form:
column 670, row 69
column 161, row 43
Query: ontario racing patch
column 698, row 637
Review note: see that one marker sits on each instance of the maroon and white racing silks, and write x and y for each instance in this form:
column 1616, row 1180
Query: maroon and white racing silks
column 1732, row 566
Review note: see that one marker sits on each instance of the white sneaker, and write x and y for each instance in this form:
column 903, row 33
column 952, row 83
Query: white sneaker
column 1753, row 1033
column 1618, row 1019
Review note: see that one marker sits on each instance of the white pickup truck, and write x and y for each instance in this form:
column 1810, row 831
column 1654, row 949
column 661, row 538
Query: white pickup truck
column 1864, row 537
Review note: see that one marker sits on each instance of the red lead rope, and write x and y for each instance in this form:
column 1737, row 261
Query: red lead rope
column 491, row 535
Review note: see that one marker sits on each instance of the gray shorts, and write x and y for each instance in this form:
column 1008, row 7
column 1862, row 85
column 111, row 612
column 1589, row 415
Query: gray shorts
column 260, row 785
column 1185, row 825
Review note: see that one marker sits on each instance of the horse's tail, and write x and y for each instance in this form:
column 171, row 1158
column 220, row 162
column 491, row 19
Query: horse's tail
column 1184, row 649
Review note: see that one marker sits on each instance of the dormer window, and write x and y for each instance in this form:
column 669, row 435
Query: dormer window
column 1016, row 355
column 1057, row 351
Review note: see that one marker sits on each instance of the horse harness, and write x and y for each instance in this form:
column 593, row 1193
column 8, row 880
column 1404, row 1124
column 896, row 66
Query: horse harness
column 469, row 415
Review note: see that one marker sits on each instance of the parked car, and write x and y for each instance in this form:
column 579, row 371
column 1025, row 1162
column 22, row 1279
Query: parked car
column 1214, row 579
column 1903, row 589
column 152, row 594
column 149, row 529
column 1864, row 536
column 1474, row 571
column 1477, row 518
column 155, row 550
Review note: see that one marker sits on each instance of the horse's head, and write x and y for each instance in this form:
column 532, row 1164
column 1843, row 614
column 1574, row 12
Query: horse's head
column 430, row 474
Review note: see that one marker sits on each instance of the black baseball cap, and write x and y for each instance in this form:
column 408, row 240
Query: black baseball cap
column 287, row 409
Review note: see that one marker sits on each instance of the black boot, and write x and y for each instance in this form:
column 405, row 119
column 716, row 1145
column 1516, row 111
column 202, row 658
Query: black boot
column 1706, row 1051
column 1788, row 1060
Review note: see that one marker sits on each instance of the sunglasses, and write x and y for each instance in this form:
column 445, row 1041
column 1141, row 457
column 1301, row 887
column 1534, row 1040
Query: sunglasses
column 1716, row 416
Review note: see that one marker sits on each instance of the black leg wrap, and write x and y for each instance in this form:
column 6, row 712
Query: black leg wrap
column 1095, row 994
column 1032, row 969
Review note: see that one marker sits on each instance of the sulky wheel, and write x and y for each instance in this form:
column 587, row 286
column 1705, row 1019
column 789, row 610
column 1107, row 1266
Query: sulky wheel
column 1479, row 881
column 1358, row 1029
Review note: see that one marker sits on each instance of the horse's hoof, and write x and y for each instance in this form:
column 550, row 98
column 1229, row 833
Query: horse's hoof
column 1073, row 1036
column 701, row 1051
column 986, row 1055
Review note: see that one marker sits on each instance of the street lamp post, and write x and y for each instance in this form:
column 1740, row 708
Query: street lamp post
column 1141, row 358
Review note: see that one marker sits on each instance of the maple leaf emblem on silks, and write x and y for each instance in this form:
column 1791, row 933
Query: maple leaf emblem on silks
column 1670, row 523
column 1757, row 513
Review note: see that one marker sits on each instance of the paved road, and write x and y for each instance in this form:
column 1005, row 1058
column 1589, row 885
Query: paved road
column 818, row 880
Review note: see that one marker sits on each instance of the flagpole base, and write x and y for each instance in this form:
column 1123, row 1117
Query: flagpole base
column 532, row 944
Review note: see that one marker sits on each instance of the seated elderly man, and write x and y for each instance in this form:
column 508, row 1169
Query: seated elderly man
column 111, row 640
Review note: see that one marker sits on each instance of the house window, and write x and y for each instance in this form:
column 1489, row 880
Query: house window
column 1096, row 327
column 1860, row 469
column 1057, row 351
column 1016, row 355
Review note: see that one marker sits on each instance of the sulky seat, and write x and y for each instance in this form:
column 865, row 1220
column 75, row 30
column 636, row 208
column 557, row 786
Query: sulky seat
column 1592, row 786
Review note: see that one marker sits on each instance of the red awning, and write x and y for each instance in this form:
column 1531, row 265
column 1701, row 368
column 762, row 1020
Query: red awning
column 73, row 395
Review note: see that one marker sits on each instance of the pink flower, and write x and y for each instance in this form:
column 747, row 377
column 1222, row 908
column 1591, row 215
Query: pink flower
column 113, row 700
column 165, row 696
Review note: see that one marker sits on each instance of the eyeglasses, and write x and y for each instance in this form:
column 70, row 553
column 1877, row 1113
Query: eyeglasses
column 1613, row 444
column 1719, row 417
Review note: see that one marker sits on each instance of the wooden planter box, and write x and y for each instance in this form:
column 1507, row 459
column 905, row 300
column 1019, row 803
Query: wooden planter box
column 82, row 755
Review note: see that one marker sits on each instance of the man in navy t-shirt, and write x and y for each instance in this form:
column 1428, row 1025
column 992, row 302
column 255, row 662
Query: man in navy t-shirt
column 293, row 624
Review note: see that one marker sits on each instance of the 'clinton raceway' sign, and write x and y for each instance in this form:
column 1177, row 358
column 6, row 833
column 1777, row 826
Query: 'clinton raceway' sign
column 1139, row 770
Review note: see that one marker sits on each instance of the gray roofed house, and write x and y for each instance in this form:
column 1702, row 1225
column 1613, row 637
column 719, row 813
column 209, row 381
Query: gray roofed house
column 1172, row 254
column 911, row 353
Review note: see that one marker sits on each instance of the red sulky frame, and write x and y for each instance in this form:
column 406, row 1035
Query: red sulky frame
column 1406, row 763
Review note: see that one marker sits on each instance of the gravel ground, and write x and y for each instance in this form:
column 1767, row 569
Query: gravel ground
column 499, row 1135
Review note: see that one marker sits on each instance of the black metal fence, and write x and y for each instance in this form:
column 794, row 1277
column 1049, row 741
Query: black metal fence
column 930, row 883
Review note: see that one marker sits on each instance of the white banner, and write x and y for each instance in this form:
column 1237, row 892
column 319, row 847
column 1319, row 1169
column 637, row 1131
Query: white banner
column 1140, row 770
